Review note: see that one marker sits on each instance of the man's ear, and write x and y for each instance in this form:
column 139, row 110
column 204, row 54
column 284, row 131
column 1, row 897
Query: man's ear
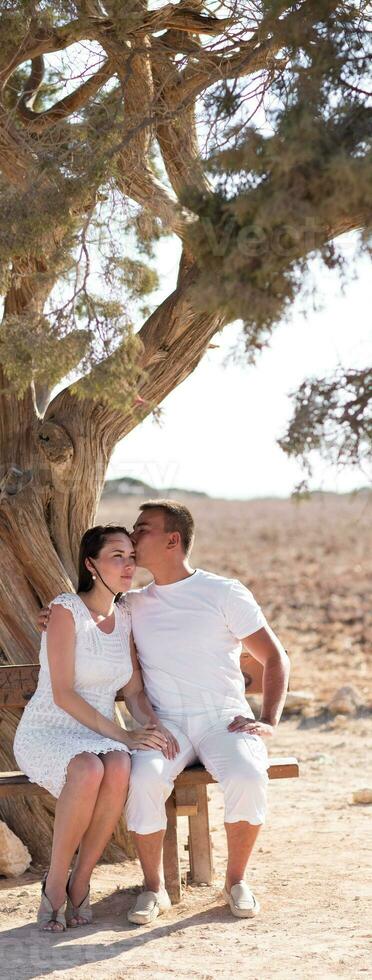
column 174, row 540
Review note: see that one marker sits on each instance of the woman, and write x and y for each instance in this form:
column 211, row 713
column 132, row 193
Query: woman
column 67, row 740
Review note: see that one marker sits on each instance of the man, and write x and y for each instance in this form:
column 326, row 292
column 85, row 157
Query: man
column 189, row 626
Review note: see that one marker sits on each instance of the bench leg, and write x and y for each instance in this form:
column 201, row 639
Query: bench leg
column 171, row 861
column 200, row 848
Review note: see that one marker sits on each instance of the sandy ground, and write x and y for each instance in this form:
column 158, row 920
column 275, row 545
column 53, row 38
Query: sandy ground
column 310, row 870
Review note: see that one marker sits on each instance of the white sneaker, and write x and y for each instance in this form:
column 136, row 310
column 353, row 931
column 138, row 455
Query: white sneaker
column 242, row 901
column 148, row 906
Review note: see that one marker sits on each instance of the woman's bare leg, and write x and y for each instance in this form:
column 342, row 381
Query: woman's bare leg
column 73, row 815
column 107, row 811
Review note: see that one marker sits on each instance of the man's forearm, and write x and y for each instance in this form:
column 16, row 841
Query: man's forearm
column 274, row 687
column 141, row 710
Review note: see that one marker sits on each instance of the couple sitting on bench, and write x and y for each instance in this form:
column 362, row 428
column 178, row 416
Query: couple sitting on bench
column 186, row 690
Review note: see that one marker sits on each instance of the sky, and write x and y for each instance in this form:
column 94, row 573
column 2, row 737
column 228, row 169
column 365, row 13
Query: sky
column 220, row 427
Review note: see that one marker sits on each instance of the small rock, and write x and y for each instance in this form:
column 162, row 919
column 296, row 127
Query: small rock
column 296, row 701
column 308, row 711
column 337, row 723
column 362, row 795
column 345, row 701
column 14, row 856
column 321, row 758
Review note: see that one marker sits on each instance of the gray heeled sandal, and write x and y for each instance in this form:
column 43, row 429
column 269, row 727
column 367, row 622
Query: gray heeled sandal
column 48, row 914
column 84, row 910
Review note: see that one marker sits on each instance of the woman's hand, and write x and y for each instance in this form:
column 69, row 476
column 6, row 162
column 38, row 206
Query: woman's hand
column 172, row 744
column 149, row 737
column 251, row 726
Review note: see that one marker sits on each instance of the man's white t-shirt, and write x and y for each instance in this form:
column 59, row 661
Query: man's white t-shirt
column 188, row 636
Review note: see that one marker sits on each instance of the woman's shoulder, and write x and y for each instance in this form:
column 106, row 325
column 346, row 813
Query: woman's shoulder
column 66, row 599
column 70, row 601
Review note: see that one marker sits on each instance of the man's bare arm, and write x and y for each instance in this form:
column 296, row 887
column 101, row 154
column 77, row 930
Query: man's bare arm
column 265, row 647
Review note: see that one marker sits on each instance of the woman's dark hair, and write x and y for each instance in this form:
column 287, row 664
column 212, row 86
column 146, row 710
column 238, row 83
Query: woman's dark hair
column 90, row 546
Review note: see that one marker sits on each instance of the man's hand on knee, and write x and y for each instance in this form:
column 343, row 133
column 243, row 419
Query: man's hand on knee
column 251, row 726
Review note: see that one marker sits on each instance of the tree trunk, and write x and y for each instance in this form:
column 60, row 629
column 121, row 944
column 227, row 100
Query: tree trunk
column 50, row 484
column 51, row 477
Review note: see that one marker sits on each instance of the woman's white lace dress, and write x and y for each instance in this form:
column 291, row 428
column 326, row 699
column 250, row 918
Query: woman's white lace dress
column 47, row 737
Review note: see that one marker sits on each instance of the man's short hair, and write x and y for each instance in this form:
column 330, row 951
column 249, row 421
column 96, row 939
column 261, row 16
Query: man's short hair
column 177, row 517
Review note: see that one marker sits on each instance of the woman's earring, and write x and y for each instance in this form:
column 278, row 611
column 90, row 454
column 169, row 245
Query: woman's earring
column 94, row 578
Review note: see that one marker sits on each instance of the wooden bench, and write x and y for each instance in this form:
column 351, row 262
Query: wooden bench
column 189, row 797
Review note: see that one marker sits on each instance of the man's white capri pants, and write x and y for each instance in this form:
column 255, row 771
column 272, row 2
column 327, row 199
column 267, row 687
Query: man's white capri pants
column 237, row 760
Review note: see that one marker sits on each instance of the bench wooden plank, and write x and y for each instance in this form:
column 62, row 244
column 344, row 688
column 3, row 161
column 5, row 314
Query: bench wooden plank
column 285, row 767
column 16, row 783
column 18, row 683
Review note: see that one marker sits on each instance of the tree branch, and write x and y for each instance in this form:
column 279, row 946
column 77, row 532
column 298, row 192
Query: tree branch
column 174, row 339
column 38, row 41
column 220, row 66
column 33, row 82
column 346, row 222
column 176, row 131
column 135, row 176
column 183, row 18
column 40, row 121
column 256, row 54
column 17, row 162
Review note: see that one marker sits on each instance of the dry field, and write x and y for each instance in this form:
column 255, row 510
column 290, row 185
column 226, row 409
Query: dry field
column 307, row 564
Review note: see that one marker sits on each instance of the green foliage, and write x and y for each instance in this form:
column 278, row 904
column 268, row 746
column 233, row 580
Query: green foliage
column 138, row 278
column 33, row 350
column 334, row 416
column 104, row 350
column 116, row 378
column 111, row 367
column 279, row 196
column 26, row 216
